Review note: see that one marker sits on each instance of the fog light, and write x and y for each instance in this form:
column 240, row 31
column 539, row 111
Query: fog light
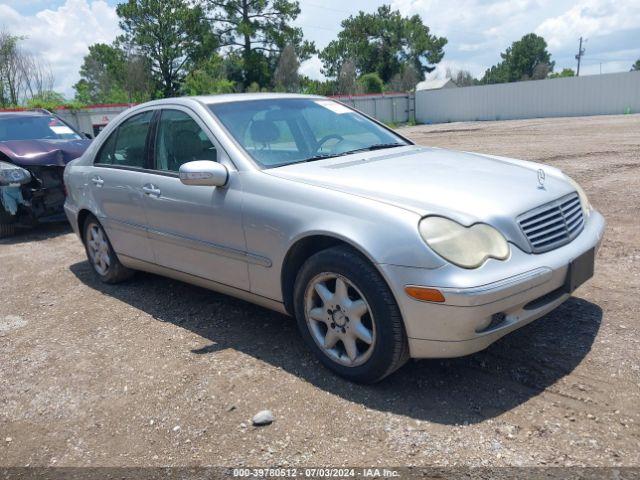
column 424, row 294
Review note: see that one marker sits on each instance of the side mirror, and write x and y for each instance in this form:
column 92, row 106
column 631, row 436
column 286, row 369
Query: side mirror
column 204, row 172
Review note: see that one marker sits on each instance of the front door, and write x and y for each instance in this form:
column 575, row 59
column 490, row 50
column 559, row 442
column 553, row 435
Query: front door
column 194, row 229
column 116, row 183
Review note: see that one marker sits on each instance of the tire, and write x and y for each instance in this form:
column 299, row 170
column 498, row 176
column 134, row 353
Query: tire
column 7, row 224
column 325, row 318
column 100, row 254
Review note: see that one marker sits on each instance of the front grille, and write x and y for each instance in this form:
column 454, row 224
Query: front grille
column 553, row 224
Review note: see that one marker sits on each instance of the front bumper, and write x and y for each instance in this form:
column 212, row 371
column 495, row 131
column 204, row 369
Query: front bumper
column 485, row 304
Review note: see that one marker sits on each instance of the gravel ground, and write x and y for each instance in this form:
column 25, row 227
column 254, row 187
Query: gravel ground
column 156, row 372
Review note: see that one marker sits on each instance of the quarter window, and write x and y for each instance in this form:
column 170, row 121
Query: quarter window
column 180, row 140
column 126, row 146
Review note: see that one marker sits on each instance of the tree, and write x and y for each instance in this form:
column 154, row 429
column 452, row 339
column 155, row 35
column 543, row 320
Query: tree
column 462, row 78
column 383, row 42
column 109, row 74
column 347, row 78
column 636, row 66
column 286, row 78
column 371, row 83
column 405, row 81
column 208, row 78
column 566, row 72
column 23, row 75
column 525, row 59
column 11, row 74
column 38, row 77
column 172, row 34
column 257, row 31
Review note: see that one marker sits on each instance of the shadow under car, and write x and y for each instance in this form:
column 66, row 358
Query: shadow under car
column 451, row 391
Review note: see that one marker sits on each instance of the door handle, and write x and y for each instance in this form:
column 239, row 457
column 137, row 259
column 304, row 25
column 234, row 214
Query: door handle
column 150, row 189
column 97, row 181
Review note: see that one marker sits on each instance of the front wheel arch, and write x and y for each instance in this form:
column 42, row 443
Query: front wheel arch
column 298, row 253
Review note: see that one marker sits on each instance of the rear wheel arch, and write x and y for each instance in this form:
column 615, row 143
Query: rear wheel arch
column 82, row 217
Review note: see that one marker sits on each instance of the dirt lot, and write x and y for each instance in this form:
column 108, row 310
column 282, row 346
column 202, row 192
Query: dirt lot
column 156, row 372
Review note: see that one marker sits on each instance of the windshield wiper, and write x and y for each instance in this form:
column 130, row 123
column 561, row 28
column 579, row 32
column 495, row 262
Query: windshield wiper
column 320, row 156
column 375, row 146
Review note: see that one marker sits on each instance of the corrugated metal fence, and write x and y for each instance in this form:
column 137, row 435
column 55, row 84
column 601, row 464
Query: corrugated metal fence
column 614, row 93
column 387, row 107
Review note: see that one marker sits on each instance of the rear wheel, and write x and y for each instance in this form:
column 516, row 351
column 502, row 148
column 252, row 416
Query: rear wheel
column 100, row 253
column 349, row 317
column 7, row 224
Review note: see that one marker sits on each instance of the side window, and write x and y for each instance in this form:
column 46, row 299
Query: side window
column 126, row 145
column 180, row 140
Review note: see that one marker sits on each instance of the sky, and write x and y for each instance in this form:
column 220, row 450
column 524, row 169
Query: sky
column 477, row 30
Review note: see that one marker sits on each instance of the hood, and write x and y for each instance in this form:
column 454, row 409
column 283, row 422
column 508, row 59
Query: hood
column 467, row 187
column 26, row 153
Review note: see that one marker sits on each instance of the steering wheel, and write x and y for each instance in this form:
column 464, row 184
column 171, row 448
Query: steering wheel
column 326, row 138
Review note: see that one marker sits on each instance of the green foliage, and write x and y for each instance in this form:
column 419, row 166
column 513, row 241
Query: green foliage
column 253, row 87
column 525, row 59
column 371, row 83
column 257, row 31
column 636, row 66
column 208, row 78
column 566, row 72
column 51, row 101
column 318, row 87
column 174, row 35
column 382, row 42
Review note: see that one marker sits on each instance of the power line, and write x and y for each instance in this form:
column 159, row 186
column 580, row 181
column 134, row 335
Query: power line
column 327, row 8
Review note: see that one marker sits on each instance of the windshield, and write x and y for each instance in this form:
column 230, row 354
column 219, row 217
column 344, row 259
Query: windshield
column 280, row 132
column 35, row 128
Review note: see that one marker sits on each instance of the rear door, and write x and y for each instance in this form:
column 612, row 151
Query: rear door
column 194, row 229
column 116, row 183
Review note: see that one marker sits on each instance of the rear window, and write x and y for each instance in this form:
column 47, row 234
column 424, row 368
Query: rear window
column 35, row 128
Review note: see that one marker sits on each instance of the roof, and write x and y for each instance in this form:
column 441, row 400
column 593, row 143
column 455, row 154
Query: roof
column 226, row 97
column 22, row 113
column 435, row 84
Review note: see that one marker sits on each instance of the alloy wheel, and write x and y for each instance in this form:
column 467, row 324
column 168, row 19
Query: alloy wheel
column 98, row 249
column 340, row 319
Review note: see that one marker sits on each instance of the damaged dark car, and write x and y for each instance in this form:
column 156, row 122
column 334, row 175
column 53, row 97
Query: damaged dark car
column 35, row 147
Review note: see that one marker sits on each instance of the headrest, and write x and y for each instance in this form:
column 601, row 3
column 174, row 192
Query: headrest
column 264, row 131
column 187, row 145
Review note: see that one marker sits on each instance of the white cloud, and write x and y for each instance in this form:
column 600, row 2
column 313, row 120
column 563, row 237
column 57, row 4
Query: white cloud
column 62, row 36
column 312, row 68
column 590, row 18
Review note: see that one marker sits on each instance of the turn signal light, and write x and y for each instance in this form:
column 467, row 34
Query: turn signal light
column 424, row 294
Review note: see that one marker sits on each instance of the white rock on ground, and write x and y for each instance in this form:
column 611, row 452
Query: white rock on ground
column 264, row 417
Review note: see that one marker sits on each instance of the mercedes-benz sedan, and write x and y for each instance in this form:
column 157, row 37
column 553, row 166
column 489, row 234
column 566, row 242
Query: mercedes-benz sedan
column 381, row 249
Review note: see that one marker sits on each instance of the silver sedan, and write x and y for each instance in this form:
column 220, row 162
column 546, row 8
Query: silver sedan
column 381, row 249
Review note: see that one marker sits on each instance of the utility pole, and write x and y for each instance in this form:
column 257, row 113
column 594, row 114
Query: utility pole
column 579, row 56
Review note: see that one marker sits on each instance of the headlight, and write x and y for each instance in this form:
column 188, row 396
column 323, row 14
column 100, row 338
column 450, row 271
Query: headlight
column 10, row 173
column 467, row 247
column 584, row 200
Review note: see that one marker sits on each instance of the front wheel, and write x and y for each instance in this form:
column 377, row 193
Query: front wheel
column 101, row 255
column 348, row 316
